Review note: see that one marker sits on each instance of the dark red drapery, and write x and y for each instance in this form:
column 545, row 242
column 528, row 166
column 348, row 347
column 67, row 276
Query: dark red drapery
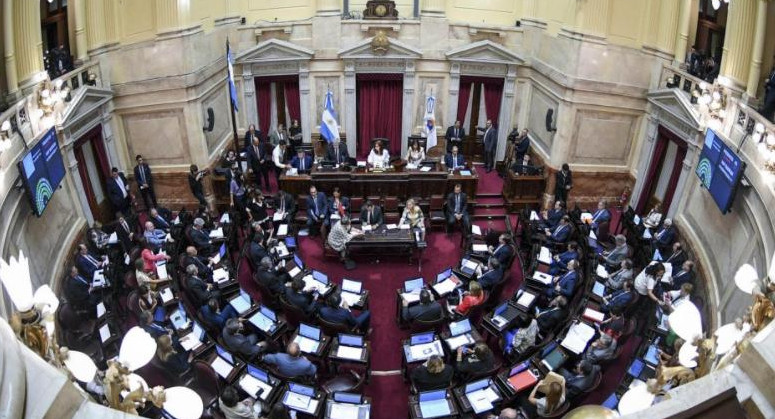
column 379, row 111
column 674, row 176
column 264, row 98
column 492, row 99
column 651, row 176
column 664, row 137
column 462, row 100
column 84, row 173
column 263, row 103
column 292, row 99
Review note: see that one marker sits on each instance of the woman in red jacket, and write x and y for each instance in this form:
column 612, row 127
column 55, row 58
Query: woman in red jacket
column 471, row 298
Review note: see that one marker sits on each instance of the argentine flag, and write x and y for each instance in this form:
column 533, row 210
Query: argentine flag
column 232, row 86
column 430, row 130
column 329, row 129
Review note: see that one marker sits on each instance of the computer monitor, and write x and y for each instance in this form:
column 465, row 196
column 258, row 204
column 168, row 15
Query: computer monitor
column 421, row 338
column 444, row 275
column 350, row 340
column 222, row 250
column 301, row 389
column 427, row 396
column 298, row 261
column 413, row 284
column 258, row 373
column 223, row 353
column 477, row 385
column 343, row 397
column 309, row 331
column 266, row 311
column 320, row 277
column 501, row 308
column 245, row 296
column 198, row 332
column 460, row 327
column 354, row 287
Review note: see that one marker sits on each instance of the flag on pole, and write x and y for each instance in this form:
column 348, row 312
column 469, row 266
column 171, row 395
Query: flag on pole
column 430, row 123
column 232, row 86
column 329, row 129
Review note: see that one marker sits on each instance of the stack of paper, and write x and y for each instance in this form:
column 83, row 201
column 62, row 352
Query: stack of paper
column 391, row 226
column 220, row 275
column 216, row 259
column 543, row 278
column 545, row 256
column 217, row 233
column 578, row 337
column 278, row 216
column 282, row 230
column 601, row 271
column 593, row 315
column 482, row 400
column 98, row 280
column 481, row 248
column 646, row 234
column 350, row 298
column 446, row 286
column 425, row 169
column 404, row 226
column 366, row 227
column 476, row 230
column 113, row 239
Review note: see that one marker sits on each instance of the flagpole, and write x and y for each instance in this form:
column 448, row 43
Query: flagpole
column 231, row 104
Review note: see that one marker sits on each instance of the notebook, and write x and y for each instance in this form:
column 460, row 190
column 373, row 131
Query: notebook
column 242, row 302
column 545, row 256
column 541, row 277
column 446, row 286
column 554, row 359
column 526, row 300
column 593, row 315
column 221, row 367
column 350, row 340
column 412, row 285
column 441, row 276
column 522, row 380
column 308, row 338
column 578, row 336
column 598, row 289
column 601, row 271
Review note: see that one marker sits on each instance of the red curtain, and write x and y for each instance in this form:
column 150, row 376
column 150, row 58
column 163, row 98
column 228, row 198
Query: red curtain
column 462, row 99
column 493, row 90
column 379, row 111
column 98, row 146
column 84, row 173
column 292, row 100
column 651, row 177
column 674, row 176
column 264, row 104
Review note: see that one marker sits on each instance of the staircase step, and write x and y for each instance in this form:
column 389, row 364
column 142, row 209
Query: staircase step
column 480, row 195
column 490, row 200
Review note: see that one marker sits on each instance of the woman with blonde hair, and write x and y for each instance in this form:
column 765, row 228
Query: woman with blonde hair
column 434, row 374
column 554, row 397
column 413, row 216
column 471, row 298
column 178, row 363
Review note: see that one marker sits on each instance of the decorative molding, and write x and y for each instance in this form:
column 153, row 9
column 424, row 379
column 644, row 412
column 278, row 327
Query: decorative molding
column 484, row 52
column 673, row 110
column 581, row 36
column 395, row 50
column 85, row 102
column 535, row 23
column 392, row 26
column 274, row 50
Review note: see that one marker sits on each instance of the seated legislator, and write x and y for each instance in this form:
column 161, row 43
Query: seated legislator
column 415, row 154
column 201, row 238
column 149, row 258
column 565, row 285
column 79, row 291
column 296, row 296
column 213, row 314
column 492, row 274
column 618, row 300
column 205, row 266
column 317, row 209
column 172, row 360
column 471, row 298
column 454, row 160
column 285, row 205
column 653, row 218
column 155, row 237
column 232, row 408
column 523, row 167
column 504, row 251
column 615, row 256
column 200, row 291
column 371, row 215
column 257, row 251
column 553, row 398
column 426, row 310
column 98, row 240
column 247, row 346
column 159, row 221
column 87, row 263
column 147, row 300
column 519, row 339
column 378, row 156
column 602, row 214
column 335, row 312
column 560, row 233
column 340, row 235
column 147, row 323
column 338, row 205
column 553, row 216
column 291, row 364
column 617, row 278
column 560, row 262
column 581, row 379
column 432, row 375
column 454, row 136
column 143, row 278
column 302, row 162
column 683, row 276
column 665, row 237
column 413, row 216
column 337, row 152
column 672, row 299
column 269, row 278
column 457, row 209
column 678, row 257
column 550, row 318
column 600, row 350
column 472, row 361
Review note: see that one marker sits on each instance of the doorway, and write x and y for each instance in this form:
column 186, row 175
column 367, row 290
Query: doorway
column 55, row 37
column 664, row 172
column 94, row 169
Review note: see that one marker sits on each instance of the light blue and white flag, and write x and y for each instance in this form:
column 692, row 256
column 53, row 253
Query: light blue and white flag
column 232, row 86
column 430, row 123
column 329, row 129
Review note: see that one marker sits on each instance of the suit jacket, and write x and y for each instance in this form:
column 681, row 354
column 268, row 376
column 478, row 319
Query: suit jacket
column 549, row 319
column 451, row 199
column 331, row 153
column 249, row 138
column 322, row 206
column 503, row 253
column 554, row 216
column 115, row 195
column 490, row 139
column 301, row 300
column 204, row 269
column 424, row 380
column 665, row 236
column 448, row 161
column 521, row 147
column 524, row 169
column 77, row 290
column 343, row 200
column 337, row 315
column 87, row 265
column 421, row 311
column 290, row 204
column 155, row 329
column 567, row 284
column 619, row 299
column 376, row 217
column 198, row 290
column 290, row 366
column 241, row 344
column 676, row 259
column 195, row 185
column 682, row 277
column 490, row 278
column 146, row 170
column 561, row 233
column 563, row 180
column 123, row 234
column 296, row 163
column 276, row 136
column 160, row 223
column 617, row 255
column 271, row 280
column 201, row 239
column 451, row 133
column 256, row 252
column 577, row 384
column 601, row 215
column 254, row 159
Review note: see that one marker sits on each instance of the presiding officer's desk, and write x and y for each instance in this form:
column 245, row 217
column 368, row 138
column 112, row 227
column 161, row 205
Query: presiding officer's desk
column 360, row 182
column 523, row 191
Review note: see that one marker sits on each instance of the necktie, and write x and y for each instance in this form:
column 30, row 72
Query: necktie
column 302, row 165
column 80, row 278
column 454, row 161
column 125, row 225
column 456, row 136
column 142, row 174
column 317, row 210
column 457, row 203
column 282, row 204
column 255, row 148
column 368, row 220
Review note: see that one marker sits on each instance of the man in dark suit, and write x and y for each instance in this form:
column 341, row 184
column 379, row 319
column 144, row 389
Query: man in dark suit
column 427, row 309
column 317, row 209
column 565, row 285
column 618, row 300
column 158, row 221
column 523, row 167
column 195, row 183
column 199, row 291
column 286, row 205
column 683, row 276
column 333, row 312
column 522, row 145
column 492, row 275
column 125, row 232
column 247, row 346
column 665, row 237
column 257, row 158
column 768, row 107
column 251, row 134
column 677, row 257
column 550, row 318
column 581, row 379
column 560, row 233
column 257, row 251
column 296, row 296
column 563, row 183
column 454, row 160
column 201, row 237
column 457, row 209
column 87, row 263
column 118, row 192
column 79, row 292
column 337, row 152
column 454, row 136
column 213, row 314
column 490, row 139
column 269, row 278
column 504, row 251
column 302, row 162
column 144, row 181
column 371, row 215
column 202, row 264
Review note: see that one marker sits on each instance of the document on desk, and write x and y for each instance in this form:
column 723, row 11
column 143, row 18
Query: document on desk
column 349, row 352
column 252, row 385
column 435, row 408
column 282, row 230
column 100, row 309
column 216, row 259
column 601, row 271
column 278, row 216
column 307, row 345
column 225, row 219
column 126, row 259
column 104, row 333
column 411, row 297
column 425, row 169
column 391, row 226
column 593, row 315
column 476, row 229
column 426, row 350
column 526, row 299
column 646, row 234
column 458, row 341
column 220, row 275
column 545, row 256
column 481, row 248
column 351, row 298
column 113, row 239
column 166, row 295
column 297, row 401
column 217, row 233
column 446, row 286
column 282, row 250
column 543, row 278
column 636, row 220
column 578, row 337
column 667, row 277
column 98, row 280
column 534, row 216
column 366, row 227
column 161, row 269
column 404, row 226
column 344, row 411
column 222, row 367
column 293, row 272
column 190, row 342
column 480, row 401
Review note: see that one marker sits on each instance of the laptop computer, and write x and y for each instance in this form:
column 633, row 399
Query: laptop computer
column 300, row 397
column 295, row 267
column 412, row 285
column 477, row 385
column 256, row 383
column 194, row 339
column 434, row 404
column 242, row 302
column 351, row 340
column 264, row 319
column 443, row 275
column 354, row 287
column 350, row 346
column 342, row 397
column 223, row 363
column 468, row 266
column 421, row 338
column 504, row 314
column 652, row 355
column 308, row 338
column 460, row 327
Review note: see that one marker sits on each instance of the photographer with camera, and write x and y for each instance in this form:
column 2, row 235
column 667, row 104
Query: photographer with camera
column 195, row 183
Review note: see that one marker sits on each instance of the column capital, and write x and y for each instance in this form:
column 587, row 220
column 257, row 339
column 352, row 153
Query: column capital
column 328, row 8
column 433, row 8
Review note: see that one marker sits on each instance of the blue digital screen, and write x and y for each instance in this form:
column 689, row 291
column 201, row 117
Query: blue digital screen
column 42, row 171
column 719, row 170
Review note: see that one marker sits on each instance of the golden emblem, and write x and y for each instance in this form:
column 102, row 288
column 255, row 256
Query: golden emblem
column 380, row 43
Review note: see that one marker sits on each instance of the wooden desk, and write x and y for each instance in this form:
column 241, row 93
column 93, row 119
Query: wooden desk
column 465, row 404
column 522, row 191
column 383, row 241
column 361, row 183
column 416, row 413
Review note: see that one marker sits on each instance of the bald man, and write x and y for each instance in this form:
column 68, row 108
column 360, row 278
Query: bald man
column 291, row 364
column 507, row 413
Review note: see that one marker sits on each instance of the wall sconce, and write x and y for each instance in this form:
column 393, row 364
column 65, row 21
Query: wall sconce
column 26, row 320
column 92, row 79
column 5, row 136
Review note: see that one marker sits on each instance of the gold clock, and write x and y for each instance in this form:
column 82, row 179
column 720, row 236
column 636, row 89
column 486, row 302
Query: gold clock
column 380, row 10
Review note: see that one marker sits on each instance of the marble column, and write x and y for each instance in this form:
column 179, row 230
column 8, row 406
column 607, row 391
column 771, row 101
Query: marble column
column 433, row 8
column 408, row 105
column 8, row 46
column 96, row 23
column 350, row 106
column 249, row 93
column 454, row 93
column 171, row 15
column 592, row 17
column 682, row 35
column 738, row 42
column 328, row 7
column 668, row 24
column 109, row 139
column 686, row 173
column 27, row 41
column 111, row 22
column 645, row 158
column 507, row 110
column 755, row 72
column 81, row 48
column 304, row 102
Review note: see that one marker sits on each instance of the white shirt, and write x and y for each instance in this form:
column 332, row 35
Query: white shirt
column 643, row 283
column 121, row 185
column 374, row 158
column 277, row 157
